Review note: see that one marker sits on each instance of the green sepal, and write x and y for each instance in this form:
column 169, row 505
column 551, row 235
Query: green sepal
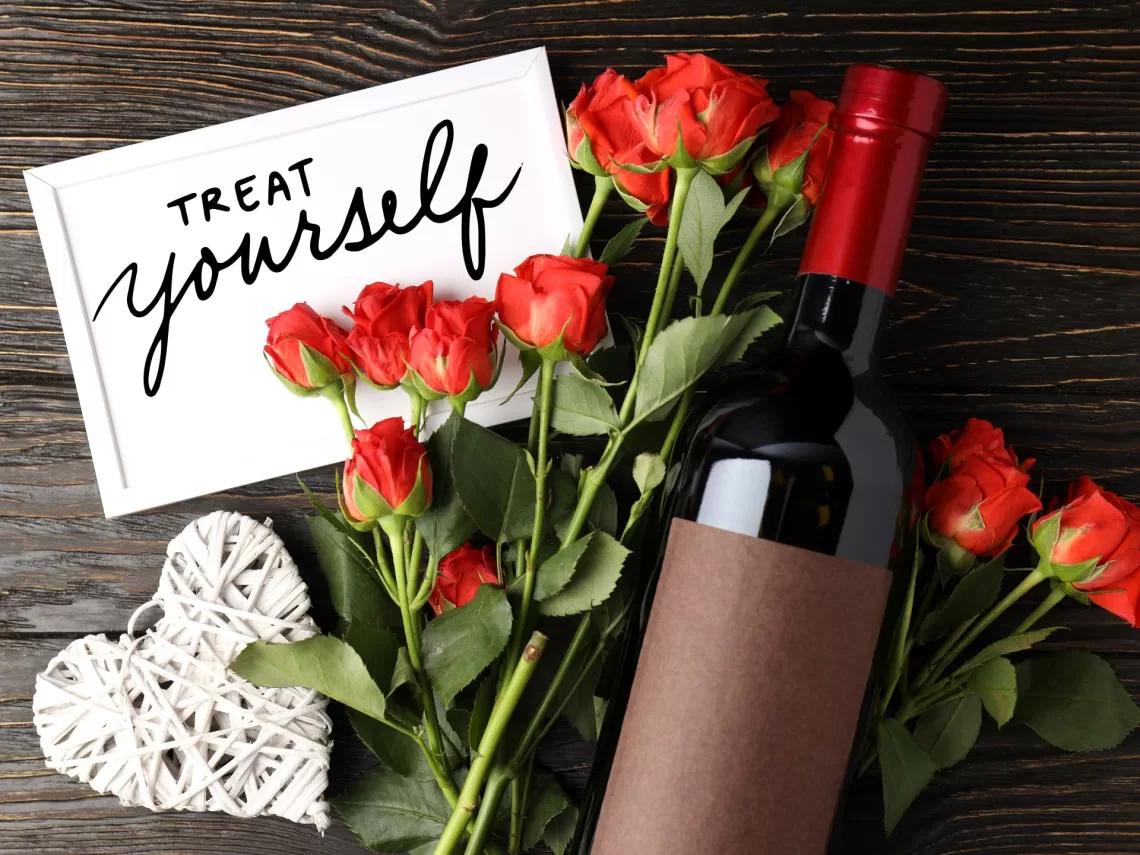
column 583, row 156
column 357, row 525
column 583, row 370
column 362, row 376
column 761, row 167
column 425, row 391
column 643, row 169
column 510, row 336
column 530, row 362
column 1045, row 535
column 1086, row 571
column 680, row 158
column 469, row 394
column 632, row 201
column 299, row 391
column 319, row 369
column 417, row 501
column 728, row 161
column 368, row 501
column 349, row 383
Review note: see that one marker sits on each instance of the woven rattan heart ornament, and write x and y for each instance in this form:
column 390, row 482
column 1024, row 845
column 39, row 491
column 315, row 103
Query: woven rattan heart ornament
column 160, row 721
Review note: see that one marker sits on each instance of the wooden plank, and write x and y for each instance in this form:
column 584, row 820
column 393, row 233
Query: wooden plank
column 1016, row 305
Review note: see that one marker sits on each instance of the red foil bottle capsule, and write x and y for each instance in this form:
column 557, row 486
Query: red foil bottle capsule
column 885, row 121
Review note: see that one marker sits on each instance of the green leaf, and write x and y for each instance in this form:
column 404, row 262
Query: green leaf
column 460, row 643
column 1004, row 646
column 323, row 662
column 493, row 481
column 603, row 514
column 547, row 800
column 396, row 750
column 579, row 710
column 621, row 243
column 378, row 647
column 481, row 711
column 648, row 471
column 970, row 597
column 390, row 813
column 906, row 769
column 560, row 829
column 688, row 348
column 354, row 588
column 1074, row 700
column 996, row 684
column 555, row 572
column 446, row 526
column 704, row 216
column 949, row 730
column 581, row 408
column 595, row 577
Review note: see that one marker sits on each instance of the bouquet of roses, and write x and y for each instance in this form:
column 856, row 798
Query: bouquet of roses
column 452, row 562
column 941, row 673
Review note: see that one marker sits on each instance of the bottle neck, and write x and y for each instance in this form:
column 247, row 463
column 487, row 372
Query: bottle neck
column 839, row 315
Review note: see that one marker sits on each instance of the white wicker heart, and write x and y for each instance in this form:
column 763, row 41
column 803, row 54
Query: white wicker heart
column 159, row 720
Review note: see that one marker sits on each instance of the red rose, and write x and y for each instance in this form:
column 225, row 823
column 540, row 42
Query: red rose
column 980, row 503
column 802, row 125
column 385, row 315
column 305, row 349
column 715, row 108
column 382, row 308
column 1097, row 524
column 456, row 346
column 387, row 474
column 552, row 295
column 977, row 437
column 601, row 118
column 460, row 575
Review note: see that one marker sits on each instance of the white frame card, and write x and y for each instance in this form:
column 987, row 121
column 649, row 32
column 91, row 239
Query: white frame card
column 166, row 258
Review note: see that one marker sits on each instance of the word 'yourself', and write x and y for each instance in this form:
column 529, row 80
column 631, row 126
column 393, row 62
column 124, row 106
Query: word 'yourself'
column 203, row 276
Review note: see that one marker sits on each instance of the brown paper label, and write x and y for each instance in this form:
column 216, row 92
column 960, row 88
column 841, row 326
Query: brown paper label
column 746, row 699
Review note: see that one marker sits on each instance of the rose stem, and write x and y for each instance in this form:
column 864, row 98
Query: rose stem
column 1033, row 578
column 544, row 400
column 682, row 412
column 603, row 186
column 518, row 807
column 489, row 743
column 1055, row 596
column 334, row 392
column 762, row 224
column 394, row 527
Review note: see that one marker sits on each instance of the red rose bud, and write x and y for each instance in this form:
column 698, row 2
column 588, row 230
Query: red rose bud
column 555, row 303
column 799, row 145
column 388, row 474
column 1093, row 542
column 696, row 110
column 305, row 350
column 977, row 437
column 454, row 356
column 385, row 316
column 979, row 505
column 460, row 575
column 603, row 137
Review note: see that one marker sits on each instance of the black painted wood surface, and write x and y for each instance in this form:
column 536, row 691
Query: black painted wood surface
column 1018, row 303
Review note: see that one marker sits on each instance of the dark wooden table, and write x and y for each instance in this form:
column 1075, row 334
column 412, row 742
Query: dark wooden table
column 1019, row 303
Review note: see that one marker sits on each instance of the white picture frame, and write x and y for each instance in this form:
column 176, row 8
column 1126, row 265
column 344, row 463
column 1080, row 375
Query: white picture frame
column 215, row 417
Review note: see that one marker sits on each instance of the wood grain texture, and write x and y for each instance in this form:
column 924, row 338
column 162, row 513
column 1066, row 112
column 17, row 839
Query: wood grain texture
column 1017, row 304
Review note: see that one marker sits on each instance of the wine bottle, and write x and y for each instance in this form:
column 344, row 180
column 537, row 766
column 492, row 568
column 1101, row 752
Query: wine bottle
column 739, row 694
